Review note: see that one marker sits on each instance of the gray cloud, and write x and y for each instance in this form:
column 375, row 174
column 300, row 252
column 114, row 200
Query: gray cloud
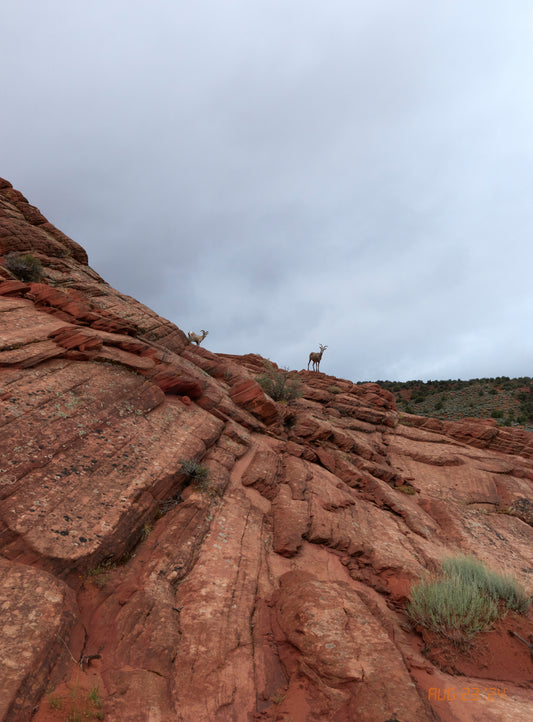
column 288, row 173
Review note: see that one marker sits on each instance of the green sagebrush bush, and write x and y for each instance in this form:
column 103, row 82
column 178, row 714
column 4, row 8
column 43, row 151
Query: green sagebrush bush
column 499, row 587
column 465, row 599
column 24, row 266
column 279, row 384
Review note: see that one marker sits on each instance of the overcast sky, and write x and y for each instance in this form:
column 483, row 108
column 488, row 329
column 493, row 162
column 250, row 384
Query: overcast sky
column 286, row 173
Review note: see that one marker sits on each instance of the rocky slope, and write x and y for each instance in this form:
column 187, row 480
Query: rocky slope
column 273, row 590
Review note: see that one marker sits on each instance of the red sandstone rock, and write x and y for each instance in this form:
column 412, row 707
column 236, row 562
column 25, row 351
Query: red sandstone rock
column 331, row 627
column 72, row 337
column 290, row 522
column 13, row 288
column 273, row 588
column 171, row 381
column 263, row 472
column 250, row 395
column 39, row 613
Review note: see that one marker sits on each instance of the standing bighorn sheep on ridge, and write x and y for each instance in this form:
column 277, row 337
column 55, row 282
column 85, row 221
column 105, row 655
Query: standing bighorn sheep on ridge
column 316, row 357
column 194, row 337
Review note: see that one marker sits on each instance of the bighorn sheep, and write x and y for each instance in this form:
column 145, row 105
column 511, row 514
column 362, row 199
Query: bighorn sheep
column 316, row 357
column 196, row 338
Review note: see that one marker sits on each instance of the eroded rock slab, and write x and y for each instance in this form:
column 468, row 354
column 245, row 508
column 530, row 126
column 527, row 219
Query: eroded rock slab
column 342, row 644
column 38, row 614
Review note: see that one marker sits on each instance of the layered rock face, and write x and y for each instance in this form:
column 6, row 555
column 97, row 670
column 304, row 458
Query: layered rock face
column 274, row 588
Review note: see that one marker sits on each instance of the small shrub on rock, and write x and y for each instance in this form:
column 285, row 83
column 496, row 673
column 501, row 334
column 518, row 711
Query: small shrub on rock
column 195, row 473
column 25, row 267
column 279, row 384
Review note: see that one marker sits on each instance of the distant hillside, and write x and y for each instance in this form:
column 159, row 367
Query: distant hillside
column 509, row 401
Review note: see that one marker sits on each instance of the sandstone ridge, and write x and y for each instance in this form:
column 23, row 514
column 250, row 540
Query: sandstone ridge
column 273, row 590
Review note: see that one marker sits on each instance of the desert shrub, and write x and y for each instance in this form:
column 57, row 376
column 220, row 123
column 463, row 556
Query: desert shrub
column 194, row 472
column 500, row 587
column 198, row 476
column 465, row 599
column 334, row 389
column 406, row 489
column 451, row 608
column 25, row 267
column 279, row 384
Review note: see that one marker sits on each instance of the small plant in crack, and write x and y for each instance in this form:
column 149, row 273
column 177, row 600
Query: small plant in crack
column 98, row 575
column 147, row 528
column 195, row 473
column 167, row 505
